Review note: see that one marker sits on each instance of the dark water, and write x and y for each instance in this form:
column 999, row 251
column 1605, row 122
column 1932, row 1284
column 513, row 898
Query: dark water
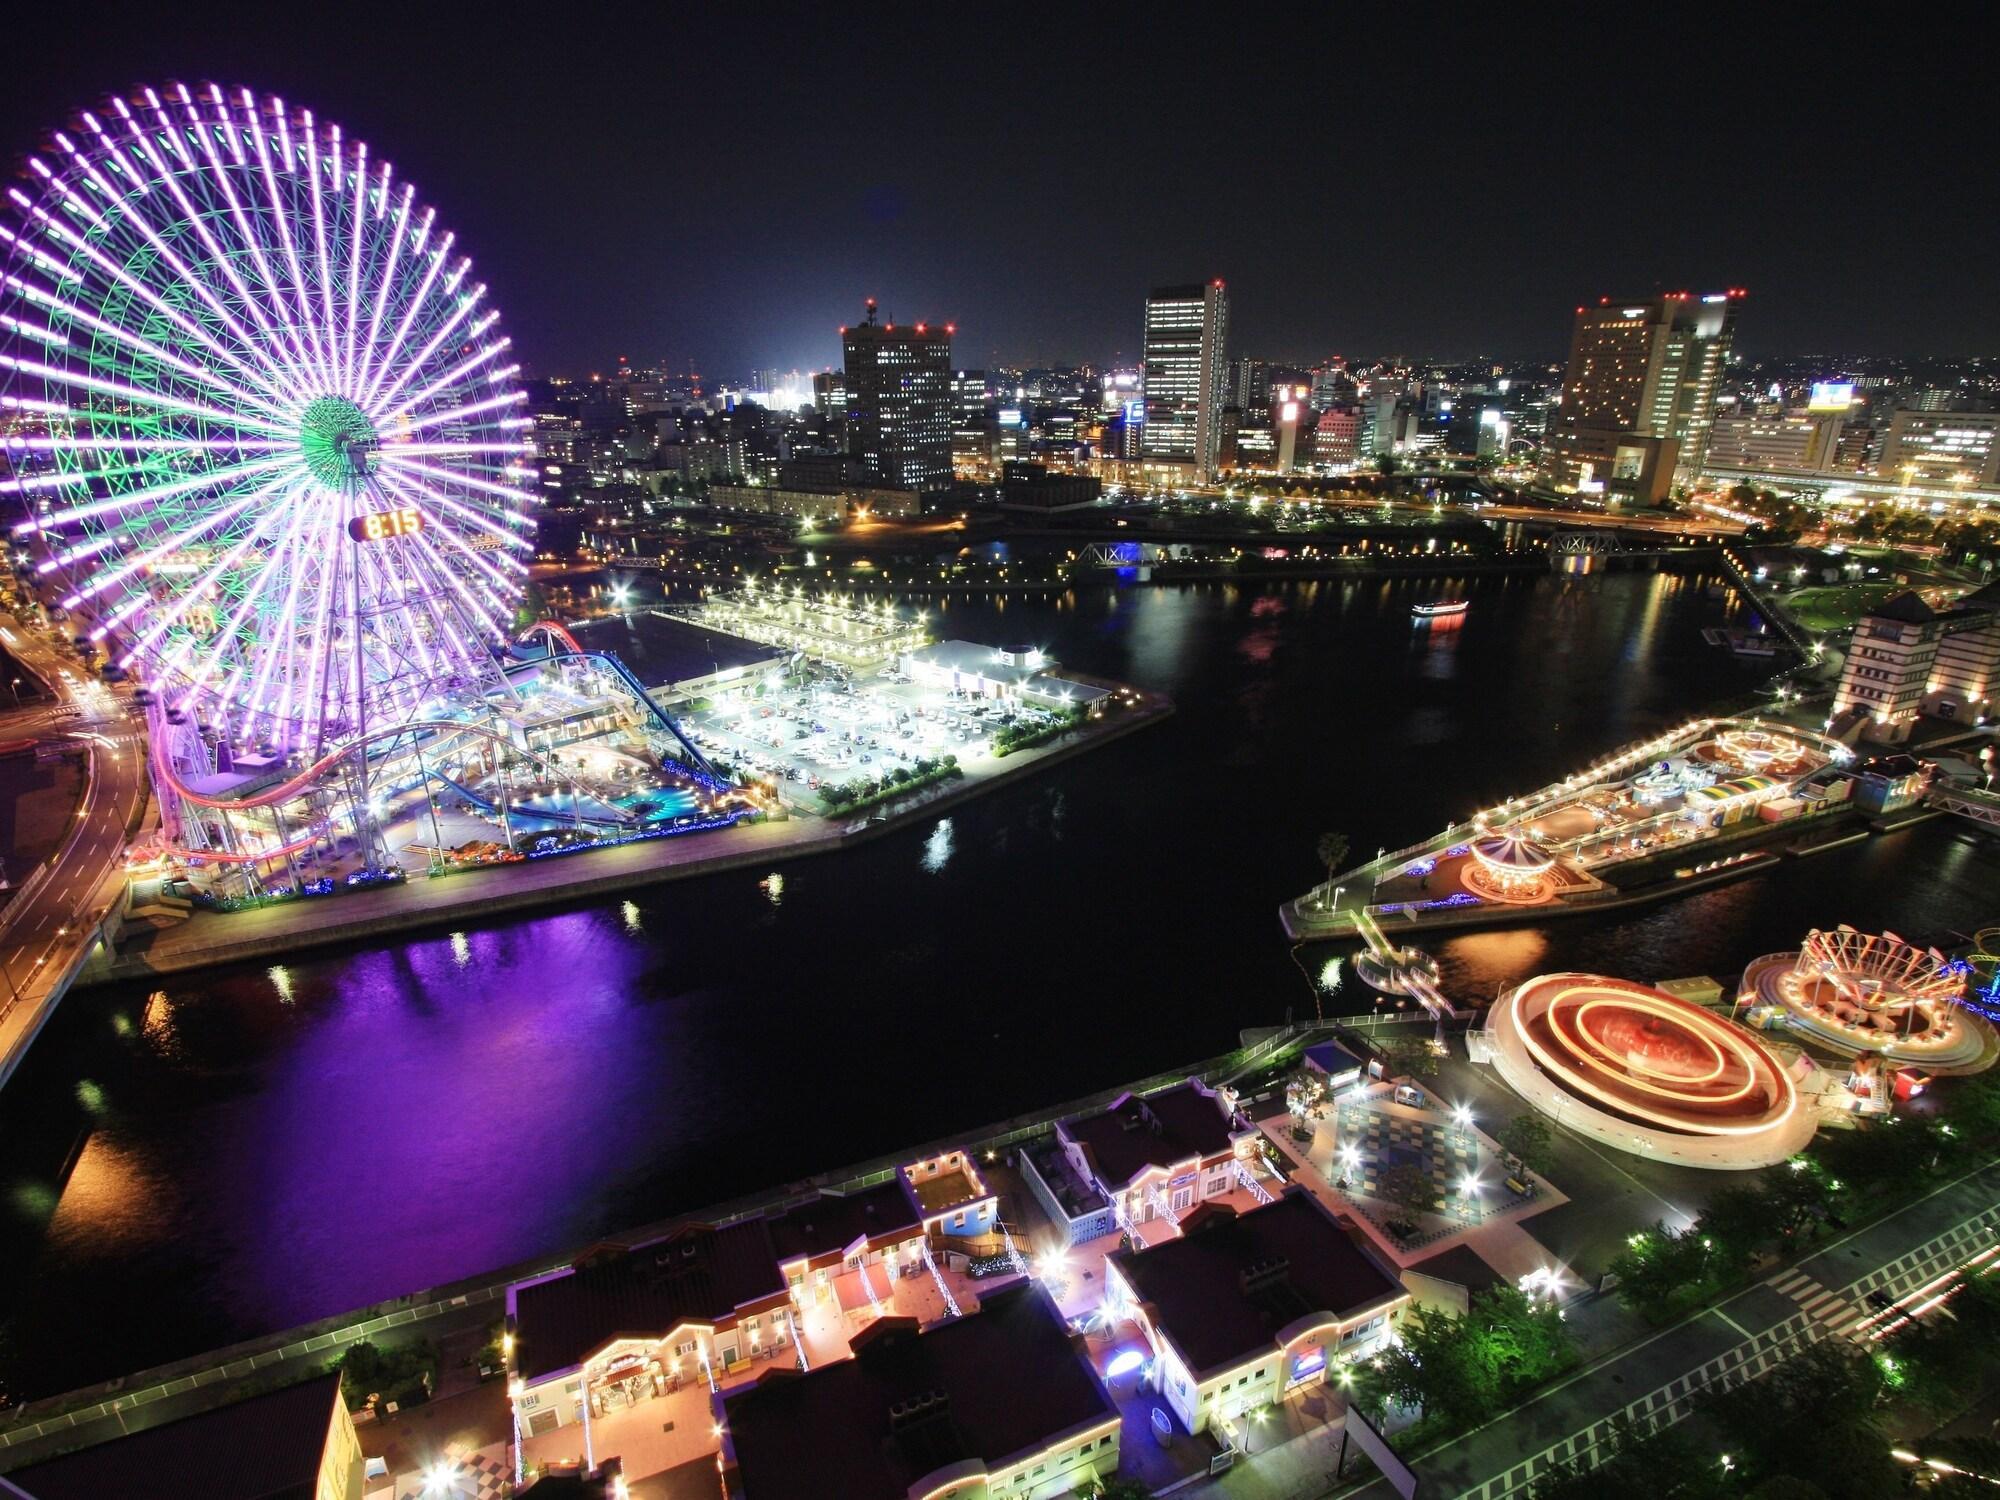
column 259, row 1148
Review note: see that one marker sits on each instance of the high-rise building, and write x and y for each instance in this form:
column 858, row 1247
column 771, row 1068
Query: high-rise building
column 830, row 392
column 1889, row 668
column 1187, row 329
column 1249, row 385
column 968, row 392
column 1337, row 438
column 1941, row 447
column 899, row 401
column 1638, row 395
column 1965, row 679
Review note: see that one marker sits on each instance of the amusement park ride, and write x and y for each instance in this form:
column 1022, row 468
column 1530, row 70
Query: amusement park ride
column 267, row 452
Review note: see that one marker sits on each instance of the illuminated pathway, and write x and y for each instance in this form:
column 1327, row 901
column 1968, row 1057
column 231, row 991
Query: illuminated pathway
column 1738, row 1339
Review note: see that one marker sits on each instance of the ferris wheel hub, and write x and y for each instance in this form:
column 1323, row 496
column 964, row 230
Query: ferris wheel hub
column 338, row 441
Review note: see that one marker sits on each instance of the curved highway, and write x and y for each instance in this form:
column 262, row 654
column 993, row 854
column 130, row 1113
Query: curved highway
column 49, row 927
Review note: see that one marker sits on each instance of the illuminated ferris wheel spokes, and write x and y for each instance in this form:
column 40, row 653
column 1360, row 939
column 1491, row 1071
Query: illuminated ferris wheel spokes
column 228, row 338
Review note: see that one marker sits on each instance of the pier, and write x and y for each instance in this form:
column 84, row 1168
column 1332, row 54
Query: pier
column 1591, row 841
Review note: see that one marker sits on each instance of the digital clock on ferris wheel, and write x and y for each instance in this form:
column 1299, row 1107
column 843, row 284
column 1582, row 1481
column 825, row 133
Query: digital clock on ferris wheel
column 386, row 525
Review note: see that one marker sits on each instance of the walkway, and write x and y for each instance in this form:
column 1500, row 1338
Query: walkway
column 1659, row 1380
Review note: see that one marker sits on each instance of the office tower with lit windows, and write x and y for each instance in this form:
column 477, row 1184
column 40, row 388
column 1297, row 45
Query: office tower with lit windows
column 1187, row 330
column 1638, row 395
column 899, row 401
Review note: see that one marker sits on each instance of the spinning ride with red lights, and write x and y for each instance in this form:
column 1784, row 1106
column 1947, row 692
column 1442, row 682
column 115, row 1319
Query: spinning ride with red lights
column 1647, row 1072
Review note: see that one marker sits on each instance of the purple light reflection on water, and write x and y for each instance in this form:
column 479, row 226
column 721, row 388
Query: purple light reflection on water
column 444, row 1100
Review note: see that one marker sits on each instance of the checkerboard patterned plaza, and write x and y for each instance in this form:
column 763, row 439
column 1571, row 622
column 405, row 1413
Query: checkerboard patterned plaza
column 1446, row 1153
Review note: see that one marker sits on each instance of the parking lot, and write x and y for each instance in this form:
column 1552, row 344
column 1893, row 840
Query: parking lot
column 828, row 727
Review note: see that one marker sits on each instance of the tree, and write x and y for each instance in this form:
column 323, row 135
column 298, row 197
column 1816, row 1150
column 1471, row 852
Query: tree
column 1332, row 850
column 1738, row 1222
column 1410, row 1057
column 1661, row 1271
column 1410, row 1188
column 1528, row 1137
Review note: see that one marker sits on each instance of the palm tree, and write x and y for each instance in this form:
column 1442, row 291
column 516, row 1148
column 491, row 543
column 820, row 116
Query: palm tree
column 1332, row 851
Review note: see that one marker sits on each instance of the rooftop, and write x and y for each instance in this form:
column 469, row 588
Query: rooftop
column 829, row 1224
column 1155, row 1130
column 697, row 1274
column 1331, row 1058
column 946, row 1190
column 268, row 1447
column 1006, row 1381
column 1907, row 607
column 1077, row 1197
column 661, row 649
column 1223, row 1290
column 1016, row 664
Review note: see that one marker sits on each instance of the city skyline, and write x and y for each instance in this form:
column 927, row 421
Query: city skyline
column 737, row 188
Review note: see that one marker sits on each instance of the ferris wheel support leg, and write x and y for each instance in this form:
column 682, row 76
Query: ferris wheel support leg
column 506, row 801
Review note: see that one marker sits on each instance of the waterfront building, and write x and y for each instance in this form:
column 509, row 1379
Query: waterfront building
column 1927, row 447
column 297, row 1443
column 1890, row 783
column 1638, row 394
column 1002, row 1404
column 899, row 401
column 706, row 1306
column 1246, row 1310
column 1187, row 329
column 1888, row 670
column 1002, row 672
column 834, row 503
column 1966, row 676
column 958, row 1209
column 1154, row 1156
column 1031, row 487
column 855, row 633
column 677, row 660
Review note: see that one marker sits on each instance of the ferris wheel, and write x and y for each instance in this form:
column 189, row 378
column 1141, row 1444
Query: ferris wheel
column 260, row 420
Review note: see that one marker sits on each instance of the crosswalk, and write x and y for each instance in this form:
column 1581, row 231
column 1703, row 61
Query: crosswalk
column 1819, row 1301
column 1824, row 1312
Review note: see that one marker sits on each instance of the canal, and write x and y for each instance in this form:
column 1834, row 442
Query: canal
column 242, row 1150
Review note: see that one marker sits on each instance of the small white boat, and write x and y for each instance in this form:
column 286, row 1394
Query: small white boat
column 1437, row 607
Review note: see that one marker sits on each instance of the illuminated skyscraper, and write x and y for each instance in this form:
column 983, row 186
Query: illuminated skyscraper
column 1638, row 396
column 899, row 401
column 1187, row 329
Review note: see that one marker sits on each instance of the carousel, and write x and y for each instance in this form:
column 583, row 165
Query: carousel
column 1507, row 868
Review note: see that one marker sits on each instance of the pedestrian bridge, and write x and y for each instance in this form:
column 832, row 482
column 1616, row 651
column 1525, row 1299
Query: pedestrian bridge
column 1967, row 802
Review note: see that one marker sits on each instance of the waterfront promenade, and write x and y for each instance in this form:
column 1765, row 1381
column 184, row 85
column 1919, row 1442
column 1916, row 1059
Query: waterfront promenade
column 211, row 938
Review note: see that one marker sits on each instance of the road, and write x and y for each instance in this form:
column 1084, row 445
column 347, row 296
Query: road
column 47, row 928
column 1658, row 1379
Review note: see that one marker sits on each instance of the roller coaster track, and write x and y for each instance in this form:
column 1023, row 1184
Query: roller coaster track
column 557, row 637
column 556, row 633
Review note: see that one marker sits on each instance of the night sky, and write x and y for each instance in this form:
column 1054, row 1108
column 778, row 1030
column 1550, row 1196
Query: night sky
column 722, row 186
